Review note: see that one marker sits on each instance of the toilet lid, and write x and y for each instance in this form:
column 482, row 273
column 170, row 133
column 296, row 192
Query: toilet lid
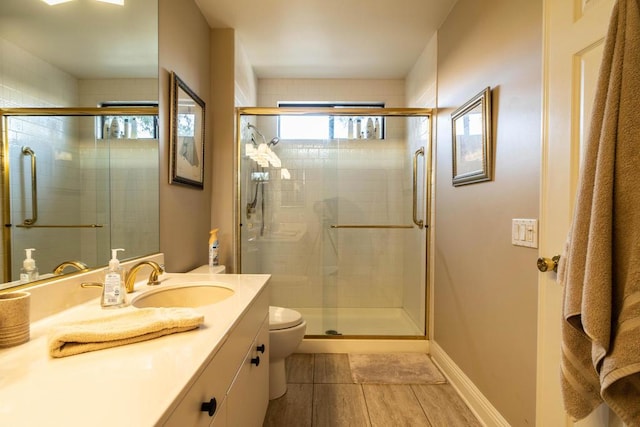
column 282, row 318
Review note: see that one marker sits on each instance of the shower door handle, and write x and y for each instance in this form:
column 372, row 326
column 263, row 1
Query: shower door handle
column 416, row 221
column 27, row 151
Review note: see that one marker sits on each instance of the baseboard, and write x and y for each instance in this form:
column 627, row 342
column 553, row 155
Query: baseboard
column 475, row 400
column 363, row 346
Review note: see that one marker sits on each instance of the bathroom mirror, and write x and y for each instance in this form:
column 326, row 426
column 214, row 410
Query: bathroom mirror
column 81, row 54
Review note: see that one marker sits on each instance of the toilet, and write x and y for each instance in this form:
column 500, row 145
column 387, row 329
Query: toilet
column 286, row 330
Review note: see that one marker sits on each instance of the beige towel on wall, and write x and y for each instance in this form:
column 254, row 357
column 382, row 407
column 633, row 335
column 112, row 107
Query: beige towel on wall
column 601, row 327
column 121, row 327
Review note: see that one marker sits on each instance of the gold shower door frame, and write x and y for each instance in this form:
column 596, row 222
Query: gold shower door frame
column 425, row 152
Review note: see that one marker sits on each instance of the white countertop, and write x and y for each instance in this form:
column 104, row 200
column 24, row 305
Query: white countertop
column 131, row 385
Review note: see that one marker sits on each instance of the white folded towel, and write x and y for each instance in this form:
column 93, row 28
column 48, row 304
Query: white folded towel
column 126, row 326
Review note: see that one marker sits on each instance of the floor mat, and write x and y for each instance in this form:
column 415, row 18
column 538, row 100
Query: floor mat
column 394, row 368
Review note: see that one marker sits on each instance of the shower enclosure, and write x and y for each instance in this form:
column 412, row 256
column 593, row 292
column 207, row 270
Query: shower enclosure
column 332, row 202
column 73, row 189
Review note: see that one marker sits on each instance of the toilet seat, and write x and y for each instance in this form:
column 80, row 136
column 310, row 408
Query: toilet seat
column 283, row 318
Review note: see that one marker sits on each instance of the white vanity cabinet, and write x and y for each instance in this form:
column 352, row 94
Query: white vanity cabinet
column 248, row 397
column 233, row 385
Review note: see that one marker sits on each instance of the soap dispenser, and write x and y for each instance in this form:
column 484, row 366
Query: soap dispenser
column 29, row 271
column 113, row 291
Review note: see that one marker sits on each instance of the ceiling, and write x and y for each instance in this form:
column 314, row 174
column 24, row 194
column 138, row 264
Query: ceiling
column 363, row 39
column 87, row 39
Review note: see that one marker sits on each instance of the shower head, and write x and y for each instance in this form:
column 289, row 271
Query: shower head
column 273, row 141
column 250, row 126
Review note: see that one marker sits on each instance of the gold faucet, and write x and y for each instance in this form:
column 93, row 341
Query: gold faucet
column 80, row 266
column 130, row 279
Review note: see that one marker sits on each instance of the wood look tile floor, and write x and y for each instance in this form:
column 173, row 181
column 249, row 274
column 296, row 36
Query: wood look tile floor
column 321, row 393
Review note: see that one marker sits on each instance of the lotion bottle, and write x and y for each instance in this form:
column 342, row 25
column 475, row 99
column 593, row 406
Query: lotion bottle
column 134, row 128
column 214, row 247
column 370, row 131
column 113, row 291
column 29, row 271
column 127, row 128
column 115, row 128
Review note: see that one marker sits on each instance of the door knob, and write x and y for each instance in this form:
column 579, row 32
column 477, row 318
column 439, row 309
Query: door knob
column 546, row 264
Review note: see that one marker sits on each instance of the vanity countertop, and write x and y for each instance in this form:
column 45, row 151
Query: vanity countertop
column 131, row 385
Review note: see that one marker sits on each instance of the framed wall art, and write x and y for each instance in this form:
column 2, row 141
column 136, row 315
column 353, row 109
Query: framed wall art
column 472, row 142
column 187, row 118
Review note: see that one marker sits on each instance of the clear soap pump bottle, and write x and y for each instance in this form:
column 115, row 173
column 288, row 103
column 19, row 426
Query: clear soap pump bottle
column 113, row 291
column 29, row 271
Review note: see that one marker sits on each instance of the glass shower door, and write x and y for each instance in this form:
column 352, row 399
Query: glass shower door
column 373, row 252
column 332, row 223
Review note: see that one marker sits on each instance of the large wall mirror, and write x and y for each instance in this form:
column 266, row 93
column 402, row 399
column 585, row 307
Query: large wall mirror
column 88, row 176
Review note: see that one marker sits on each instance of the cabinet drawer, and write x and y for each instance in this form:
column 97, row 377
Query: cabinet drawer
column 251, row 387
column 217, row 377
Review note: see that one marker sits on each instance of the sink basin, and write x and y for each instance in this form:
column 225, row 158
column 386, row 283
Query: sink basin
column 185, row 295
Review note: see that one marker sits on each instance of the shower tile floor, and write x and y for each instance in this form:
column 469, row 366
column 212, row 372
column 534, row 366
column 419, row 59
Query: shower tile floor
column 359, row 321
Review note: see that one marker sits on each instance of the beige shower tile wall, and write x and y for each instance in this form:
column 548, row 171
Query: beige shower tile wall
column 28, row 81
column 413, row 294
column 120, row 190
column 58, row 189
column 366, row 188
column 63, row 179
column 132, row 175
column 367, row 182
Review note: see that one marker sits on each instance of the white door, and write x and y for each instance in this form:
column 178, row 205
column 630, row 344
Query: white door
column 574, row 32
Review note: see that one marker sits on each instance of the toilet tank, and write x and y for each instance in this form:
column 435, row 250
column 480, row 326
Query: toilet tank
column 204, row 269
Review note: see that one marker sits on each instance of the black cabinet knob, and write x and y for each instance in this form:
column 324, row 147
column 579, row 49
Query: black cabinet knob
column 261, row 348
column 209, row 407
column 255, row 361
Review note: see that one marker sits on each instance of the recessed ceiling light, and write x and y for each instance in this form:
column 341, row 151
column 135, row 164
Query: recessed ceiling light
column 118, row 2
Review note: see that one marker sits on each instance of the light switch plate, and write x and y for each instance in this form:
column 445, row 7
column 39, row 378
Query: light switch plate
column 524, row 232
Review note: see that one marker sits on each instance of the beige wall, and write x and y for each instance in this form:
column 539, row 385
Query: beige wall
column 421, row 82
column 246, row 83
column 389, row 91
column 485, row 288
column 223, row 131
column 185, row 212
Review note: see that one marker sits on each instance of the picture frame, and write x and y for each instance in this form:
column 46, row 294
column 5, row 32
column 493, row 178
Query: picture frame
column 187, row 131
column 472, row 153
